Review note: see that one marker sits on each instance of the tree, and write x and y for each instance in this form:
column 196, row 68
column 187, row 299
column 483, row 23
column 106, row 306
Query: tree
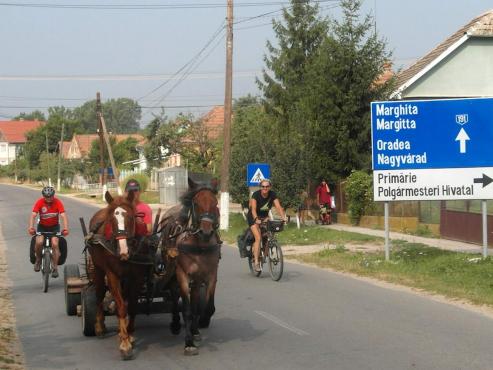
column 284, row 85
column 343, row 81
column 121, row 115
column 36, row 115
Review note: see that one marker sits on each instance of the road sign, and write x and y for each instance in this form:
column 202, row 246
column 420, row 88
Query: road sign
column 432, row 150
column 256, row 172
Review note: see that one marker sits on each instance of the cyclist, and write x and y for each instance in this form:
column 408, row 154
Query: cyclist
column 260, row 204
column 324, row 197
column 49, row 209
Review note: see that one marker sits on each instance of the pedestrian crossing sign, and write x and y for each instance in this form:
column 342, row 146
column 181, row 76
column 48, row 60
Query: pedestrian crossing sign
column 256, row 172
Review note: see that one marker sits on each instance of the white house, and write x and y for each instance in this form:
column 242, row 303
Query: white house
column 12, row 137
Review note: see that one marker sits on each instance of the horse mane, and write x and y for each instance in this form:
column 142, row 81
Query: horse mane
column 187, row 197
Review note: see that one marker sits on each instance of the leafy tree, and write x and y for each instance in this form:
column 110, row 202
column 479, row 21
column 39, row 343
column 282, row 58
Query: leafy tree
column 33, row 116
column 249, row 143
column 284, row 85
column 343, row 81
column 121, row 115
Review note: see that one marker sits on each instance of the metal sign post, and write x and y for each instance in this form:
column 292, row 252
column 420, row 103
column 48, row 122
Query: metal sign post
column 433, row 150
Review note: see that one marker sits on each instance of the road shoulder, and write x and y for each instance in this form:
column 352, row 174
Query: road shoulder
column 11, row 354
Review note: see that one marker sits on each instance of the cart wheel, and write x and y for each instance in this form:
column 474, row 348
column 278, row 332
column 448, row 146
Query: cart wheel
column 72, row 300
column 88, row 303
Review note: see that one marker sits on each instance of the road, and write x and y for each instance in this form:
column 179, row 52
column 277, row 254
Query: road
column 311, row 319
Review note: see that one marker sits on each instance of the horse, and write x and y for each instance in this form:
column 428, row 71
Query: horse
column 192, row 255
column 124, row 278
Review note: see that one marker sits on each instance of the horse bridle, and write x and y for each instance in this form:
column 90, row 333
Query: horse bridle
column 206, row 216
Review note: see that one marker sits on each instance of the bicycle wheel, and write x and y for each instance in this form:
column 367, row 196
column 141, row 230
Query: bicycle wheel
column 276, row 261
column 46, row 269
column 250, row 264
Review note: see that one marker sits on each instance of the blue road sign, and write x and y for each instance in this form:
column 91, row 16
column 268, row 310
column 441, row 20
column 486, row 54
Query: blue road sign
column 428, row 134
column 256, row 172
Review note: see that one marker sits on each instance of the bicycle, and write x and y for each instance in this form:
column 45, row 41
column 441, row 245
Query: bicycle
column 46, row 253
column 269, row 249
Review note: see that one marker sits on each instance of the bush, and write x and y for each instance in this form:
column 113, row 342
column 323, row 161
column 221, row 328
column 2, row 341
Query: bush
column 140, row 177
column 359, row 194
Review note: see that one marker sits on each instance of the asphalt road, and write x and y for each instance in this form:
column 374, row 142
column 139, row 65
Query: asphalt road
column 311, row 319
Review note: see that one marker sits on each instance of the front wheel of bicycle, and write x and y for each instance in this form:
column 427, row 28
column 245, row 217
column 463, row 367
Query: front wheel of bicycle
column 46, row 269
column 250, row 266
column 276, row 261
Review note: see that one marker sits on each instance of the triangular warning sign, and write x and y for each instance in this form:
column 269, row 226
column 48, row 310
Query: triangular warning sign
column 258, row 176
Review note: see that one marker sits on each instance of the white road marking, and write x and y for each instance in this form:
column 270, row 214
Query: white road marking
column 281, row 323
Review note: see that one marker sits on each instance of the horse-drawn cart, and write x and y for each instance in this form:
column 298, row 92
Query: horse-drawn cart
column 80, row 292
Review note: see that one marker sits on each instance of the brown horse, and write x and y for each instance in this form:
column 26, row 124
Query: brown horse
column 193, row 255
column 118, row 218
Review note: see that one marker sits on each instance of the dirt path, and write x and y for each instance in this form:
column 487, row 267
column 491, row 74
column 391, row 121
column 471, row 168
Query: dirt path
column 11, row 355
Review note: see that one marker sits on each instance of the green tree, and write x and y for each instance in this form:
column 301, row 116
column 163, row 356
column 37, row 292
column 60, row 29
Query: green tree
column 299, row 36
column 121, row 115
column 33, row 116
column 344, row 81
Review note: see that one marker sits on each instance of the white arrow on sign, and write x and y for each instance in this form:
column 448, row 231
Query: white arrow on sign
column 462, row 137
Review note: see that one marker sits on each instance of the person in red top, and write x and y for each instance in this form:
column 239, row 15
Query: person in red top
column 323, row 197
column 143, row 223
column 49, row 209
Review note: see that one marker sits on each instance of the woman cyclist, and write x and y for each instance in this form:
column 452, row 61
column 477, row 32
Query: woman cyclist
column 260, row 204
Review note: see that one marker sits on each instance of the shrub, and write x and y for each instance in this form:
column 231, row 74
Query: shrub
column 359, row 194
column 140, row 177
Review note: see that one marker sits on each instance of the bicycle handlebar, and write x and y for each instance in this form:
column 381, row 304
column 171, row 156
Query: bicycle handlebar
column 49, row 233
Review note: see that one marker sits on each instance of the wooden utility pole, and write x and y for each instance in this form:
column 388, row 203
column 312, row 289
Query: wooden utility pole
column 228, row 92
column 110, row 153
column 102, row 167
column 60, row 156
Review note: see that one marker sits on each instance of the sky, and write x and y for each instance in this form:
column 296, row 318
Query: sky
column 171, row 53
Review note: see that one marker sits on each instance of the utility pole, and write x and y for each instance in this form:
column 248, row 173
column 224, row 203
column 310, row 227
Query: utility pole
column 48, row 159
column 110, row 153
column 224, row 223
column 102, row 167
column 60, row 156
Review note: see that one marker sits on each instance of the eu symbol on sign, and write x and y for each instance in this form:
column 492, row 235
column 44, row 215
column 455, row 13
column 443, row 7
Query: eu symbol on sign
column 257, row 177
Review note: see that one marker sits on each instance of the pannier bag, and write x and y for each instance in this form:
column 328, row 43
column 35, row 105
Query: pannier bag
column 245, row 242
column 62, row 245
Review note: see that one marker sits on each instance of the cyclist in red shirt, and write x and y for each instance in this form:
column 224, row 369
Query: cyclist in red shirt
column 49, row 209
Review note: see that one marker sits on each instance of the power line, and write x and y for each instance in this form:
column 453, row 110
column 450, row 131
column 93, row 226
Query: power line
column 138, row 6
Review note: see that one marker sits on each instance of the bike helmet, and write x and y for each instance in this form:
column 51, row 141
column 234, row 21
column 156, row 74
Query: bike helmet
column 48, row 191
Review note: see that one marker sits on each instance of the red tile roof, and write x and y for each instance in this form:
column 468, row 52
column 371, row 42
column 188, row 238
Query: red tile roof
column 84, row 142
column 214, row 122
column 15, row 131
column 65, row 148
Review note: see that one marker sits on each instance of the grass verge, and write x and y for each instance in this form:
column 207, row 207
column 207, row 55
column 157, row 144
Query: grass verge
column 304, row 236
column 455, row 275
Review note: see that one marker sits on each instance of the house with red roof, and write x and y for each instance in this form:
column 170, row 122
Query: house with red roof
column 80, row 145
column 13, row 137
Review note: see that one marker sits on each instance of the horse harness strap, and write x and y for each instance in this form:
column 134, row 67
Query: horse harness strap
column 194, row 249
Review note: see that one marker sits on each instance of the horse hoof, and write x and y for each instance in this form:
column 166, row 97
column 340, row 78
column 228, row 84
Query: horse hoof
column 127, row 355
column 175, row 328
column 191, row 351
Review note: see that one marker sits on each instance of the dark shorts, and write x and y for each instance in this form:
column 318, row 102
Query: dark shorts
column 48, row 229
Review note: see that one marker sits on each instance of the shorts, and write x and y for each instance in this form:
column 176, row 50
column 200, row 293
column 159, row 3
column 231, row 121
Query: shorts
column 48, row 229
column 250, row 219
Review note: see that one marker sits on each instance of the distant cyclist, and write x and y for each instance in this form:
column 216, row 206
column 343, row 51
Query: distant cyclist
column 49, row 210
column 324, row 200
column 260, row 204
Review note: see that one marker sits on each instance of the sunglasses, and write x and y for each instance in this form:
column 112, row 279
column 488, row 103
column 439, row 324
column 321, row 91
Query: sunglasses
column 265, row 186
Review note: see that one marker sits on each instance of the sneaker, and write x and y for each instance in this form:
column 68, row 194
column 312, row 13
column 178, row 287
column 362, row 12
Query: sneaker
column 54, row 274
column 257, row 267
column 37, row 266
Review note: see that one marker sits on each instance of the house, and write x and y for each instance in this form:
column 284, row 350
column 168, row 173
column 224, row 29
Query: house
column 13, row 137
column 80, row 145
column 459, row 67
column 213, row 122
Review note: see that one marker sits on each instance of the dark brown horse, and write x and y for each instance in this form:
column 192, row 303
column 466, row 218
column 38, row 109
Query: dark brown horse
column 124, row 278
column 193, row 255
